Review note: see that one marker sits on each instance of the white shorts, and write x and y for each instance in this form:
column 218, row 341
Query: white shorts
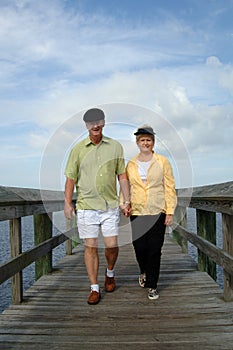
column 90, row 222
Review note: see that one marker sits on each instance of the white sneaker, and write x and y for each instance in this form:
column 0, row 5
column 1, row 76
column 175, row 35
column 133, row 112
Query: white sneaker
column 153, row 294
column 142, row 280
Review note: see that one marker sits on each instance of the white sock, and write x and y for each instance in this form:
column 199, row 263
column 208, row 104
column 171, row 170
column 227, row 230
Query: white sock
column 95, row 287
column 110, row 273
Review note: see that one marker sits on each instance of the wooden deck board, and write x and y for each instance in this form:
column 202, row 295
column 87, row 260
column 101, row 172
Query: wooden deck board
column 190, row 313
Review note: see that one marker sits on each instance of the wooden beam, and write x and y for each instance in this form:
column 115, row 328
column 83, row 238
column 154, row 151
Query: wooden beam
column 208, row 204
column 72, row 242
column 16, row 249
column 42, row 231
column 17, row 264
column 206, row 228
column 181, row 217
column 218, row 255
column 227, row 227
column 25, row 209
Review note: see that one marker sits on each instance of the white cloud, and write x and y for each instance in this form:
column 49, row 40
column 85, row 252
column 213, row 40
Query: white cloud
column 37, row 33
column 58, row 60
column 213, row 61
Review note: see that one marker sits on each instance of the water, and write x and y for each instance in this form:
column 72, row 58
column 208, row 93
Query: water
column 59, row 252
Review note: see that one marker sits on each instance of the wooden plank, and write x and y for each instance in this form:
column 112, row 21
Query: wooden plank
column 43, row 230
column 206, row 228
column 218, row 255
column 216, row 206
column 181, row 218
column 216, row 191
column 16, row 249
column 18, row 202
column 17, row 264
column 13, row 211
column 227, row 227
column 214, row 198
column 190, row 313
column 17, row 195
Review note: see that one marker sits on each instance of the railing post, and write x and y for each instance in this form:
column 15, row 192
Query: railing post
column 181, row 219
column 42, row 232
column 69, row 241
column 206, row 228
column 71, row 227
column 227, row 228
column 16, row 249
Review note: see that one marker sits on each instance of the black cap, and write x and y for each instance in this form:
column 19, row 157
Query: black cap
column 93, row 114
column 145, row 131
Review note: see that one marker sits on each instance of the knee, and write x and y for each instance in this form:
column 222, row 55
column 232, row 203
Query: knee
column 111, row 243
column 112, row 250
column 91, row 243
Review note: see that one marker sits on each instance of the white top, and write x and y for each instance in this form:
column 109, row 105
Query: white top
column 143, row 168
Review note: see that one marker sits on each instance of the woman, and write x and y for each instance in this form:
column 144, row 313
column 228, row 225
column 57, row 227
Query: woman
column 153, row 201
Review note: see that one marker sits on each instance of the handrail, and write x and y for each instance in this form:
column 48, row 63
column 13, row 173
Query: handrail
column 16, row 203
column 23, row 260
column 209, row 200
column 216, row 254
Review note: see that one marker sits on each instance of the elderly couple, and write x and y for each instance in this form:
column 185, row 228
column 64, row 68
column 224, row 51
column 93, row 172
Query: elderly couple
column 148, row 197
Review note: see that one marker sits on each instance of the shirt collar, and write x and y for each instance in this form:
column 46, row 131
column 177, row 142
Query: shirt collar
column 88, row 141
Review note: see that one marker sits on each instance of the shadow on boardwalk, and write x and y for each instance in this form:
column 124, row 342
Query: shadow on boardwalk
column 190, row 313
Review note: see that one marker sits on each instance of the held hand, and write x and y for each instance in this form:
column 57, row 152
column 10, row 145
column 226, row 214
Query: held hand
column 169, row 220
column 126, row 209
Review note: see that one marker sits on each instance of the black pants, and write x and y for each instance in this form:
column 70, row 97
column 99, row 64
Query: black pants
column 148, row 236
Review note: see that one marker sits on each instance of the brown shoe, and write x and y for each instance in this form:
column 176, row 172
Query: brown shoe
column 109, row 284
column 94, row 298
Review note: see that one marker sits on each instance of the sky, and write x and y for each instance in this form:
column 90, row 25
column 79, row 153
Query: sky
column 165, row 63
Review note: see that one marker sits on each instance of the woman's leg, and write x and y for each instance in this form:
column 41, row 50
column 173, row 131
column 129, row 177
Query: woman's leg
column 139, row 241
column 155, row 240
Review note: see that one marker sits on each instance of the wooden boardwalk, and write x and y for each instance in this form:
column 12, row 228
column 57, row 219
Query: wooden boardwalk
column 190, row 313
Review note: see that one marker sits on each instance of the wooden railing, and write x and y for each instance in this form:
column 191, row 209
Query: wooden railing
column 16, row 203
column 209, row 200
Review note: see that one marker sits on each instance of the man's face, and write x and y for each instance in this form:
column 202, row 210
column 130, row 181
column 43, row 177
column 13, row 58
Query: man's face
column 95, row 127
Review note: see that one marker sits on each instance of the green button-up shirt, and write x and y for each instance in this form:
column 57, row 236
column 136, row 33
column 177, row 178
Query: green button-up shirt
column 94, row 169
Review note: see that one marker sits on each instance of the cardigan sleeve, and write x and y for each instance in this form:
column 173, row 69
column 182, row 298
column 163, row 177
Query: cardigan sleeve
column 169, row 188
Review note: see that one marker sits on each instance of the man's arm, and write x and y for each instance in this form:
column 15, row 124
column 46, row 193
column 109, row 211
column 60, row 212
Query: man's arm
column 69, row 190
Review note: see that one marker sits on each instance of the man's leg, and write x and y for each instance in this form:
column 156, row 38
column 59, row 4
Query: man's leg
column 109, row 226
column 88, row 227
column 111, row 251
column 111, row 254
column 91, row 259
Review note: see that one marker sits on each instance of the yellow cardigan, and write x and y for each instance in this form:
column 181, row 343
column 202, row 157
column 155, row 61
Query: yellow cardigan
column 158, row 193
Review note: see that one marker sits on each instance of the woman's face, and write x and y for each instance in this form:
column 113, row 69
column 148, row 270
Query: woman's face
column 145, row 143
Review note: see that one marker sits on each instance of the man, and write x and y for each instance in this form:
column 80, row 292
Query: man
column 93, row 165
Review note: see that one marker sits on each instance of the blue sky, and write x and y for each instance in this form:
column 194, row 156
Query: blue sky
column 167, row 63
